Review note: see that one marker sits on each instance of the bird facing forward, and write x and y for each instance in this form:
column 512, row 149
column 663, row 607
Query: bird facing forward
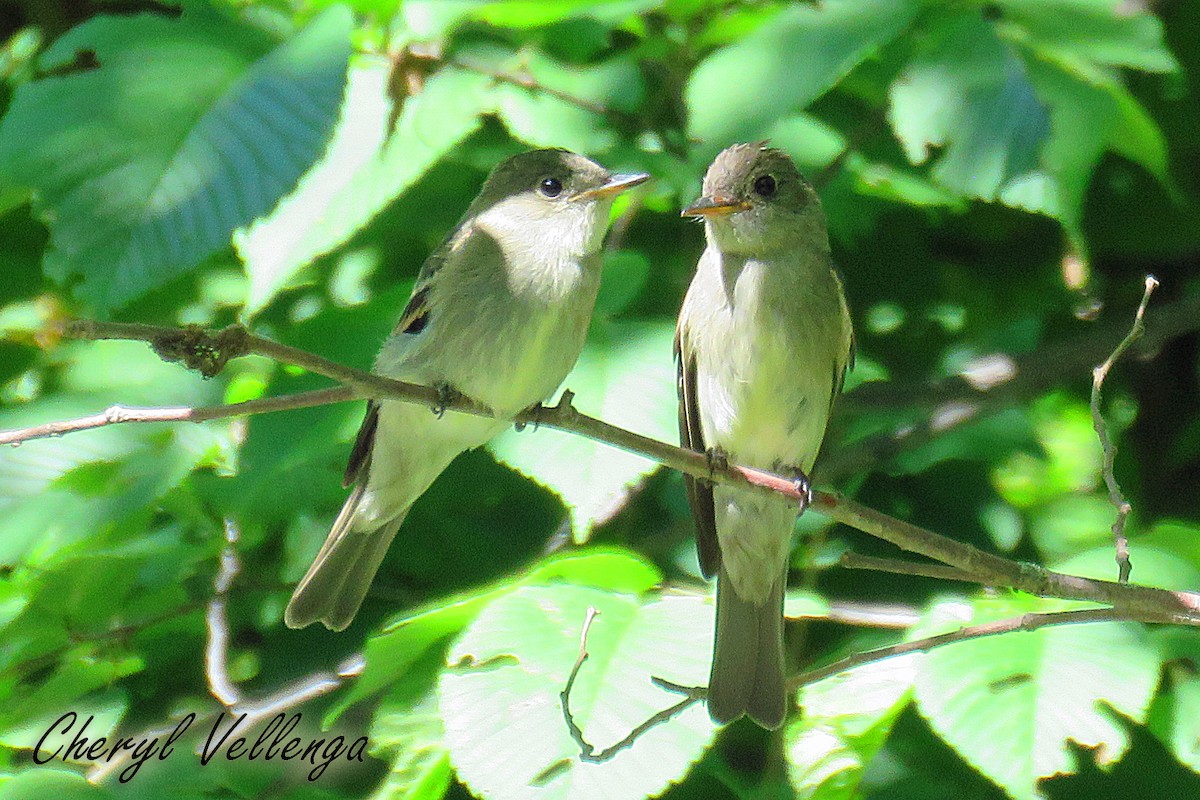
column 762, row 346
column 498, row 313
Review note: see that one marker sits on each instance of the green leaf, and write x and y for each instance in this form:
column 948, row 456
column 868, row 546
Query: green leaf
column 77, row 684
column 1090, row 113
column 846, row 720
column 535, row 13
column 435, row 19
column 398, row 646
column 968, row 91
column 1010, row 704
column 43, row 782
column 58, row 491
column 626, row 377
column 370, row 161
column 499, row 696
column 738, row 92
column 188, row 129
column 420, row 765
column 544, row 117
column 1089, row 31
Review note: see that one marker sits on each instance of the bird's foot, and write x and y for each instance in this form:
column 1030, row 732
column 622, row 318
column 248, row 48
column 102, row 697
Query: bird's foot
column 718, row 461
column 447, row 396
column 532, row 416
column 803, row 487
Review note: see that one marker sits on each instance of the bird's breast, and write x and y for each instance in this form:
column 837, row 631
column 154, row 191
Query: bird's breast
column 765, row 375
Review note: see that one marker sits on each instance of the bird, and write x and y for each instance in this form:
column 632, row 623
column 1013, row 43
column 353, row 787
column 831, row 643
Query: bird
column 763, row 344
column 498, row 314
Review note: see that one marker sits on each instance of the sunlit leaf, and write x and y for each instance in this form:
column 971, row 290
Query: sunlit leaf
column 499, row 696
column 394, row 650
column 1038, row 690
column 845, row 722
column 371, row 160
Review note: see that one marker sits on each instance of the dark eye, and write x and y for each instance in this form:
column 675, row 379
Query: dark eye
column 764, row 186
column 550, row 187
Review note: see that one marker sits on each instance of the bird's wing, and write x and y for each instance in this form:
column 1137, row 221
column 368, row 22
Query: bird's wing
column 699, row 492
column 360, row 454
column 846, row 363
column 412, row 321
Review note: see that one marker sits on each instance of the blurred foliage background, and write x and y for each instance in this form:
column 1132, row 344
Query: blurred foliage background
column 999, row 177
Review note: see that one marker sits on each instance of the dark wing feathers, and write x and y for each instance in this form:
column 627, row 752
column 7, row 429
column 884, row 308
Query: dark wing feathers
column 360, row 455
column 699, row 492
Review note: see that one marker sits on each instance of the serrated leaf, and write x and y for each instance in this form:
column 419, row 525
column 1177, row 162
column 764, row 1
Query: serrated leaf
column 626, row 377
column 1037, row 690
column 393, row 651
column 499, row 696
column 738, row 92
column 188, row 129
column 370, row 161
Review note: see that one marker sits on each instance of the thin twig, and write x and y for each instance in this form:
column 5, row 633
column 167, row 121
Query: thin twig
column 216, row 651
column 526, row 81
column 1115, row 496
column 1025, row 622
column 117, row 414
column 564, row 696
column 898, row 567
column 587, row 751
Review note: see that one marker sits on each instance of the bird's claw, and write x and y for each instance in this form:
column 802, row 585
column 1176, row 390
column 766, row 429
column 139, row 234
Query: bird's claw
column 535, row 413
column 447, row 395
column 718, row 461
column 803, row 486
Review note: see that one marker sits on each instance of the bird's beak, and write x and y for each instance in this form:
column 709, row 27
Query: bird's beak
column 613, row 186
column 715, row 206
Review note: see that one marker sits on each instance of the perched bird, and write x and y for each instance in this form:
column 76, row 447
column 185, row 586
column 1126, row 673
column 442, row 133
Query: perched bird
column 762, row 346
column 498, row 313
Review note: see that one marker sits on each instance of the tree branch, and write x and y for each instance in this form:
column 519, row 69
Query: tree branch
column 1025, row 622
column 117, row 414
column 216, row 651
column 1120, row 540
column 209, row 350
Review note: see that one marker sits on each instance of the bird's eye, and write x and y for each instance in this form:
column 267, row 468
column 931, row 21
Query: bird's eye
column 550, row 187
column 764, row 186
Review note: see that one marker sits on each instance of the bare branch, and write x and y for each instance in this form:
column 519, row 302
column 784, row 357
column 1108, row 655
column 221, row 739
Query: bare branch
column 216, row 650
column 897, row 567
column 587, row 751
column 117, row 414
column 1025, row 622
column 1120, row 540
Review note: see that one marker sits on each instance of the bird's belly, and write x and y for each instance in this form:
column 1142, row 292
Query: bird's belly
column 523, row 362
column 765, row 405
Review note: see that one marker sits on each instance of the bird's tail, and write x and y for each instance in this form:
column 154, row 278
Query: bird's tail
column 334, row 586
column 747, row 666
